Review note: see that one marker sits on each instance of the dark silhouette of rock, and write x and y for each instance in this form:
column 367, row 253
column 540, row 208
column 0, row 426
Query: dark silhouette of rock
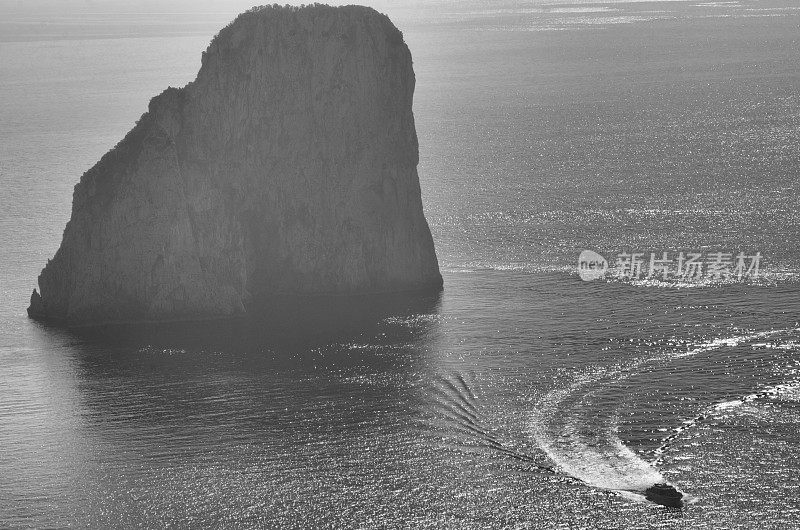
column 287, row 167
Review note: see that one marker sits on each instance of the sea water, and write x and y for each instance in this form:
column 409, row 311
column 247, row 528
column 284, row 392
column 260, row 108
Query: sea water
column 520, row 396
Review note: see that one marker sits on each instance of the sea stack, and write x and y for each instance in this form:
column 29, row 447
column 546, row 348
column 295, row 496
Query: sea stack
column 289, row 166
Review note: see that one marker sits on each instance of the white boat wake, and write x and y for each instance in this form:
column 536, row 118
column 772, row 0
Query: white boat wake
column 585, row 444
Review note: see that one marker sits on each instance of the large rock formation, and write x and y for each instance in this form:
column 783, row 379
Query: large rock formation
column 287, row 166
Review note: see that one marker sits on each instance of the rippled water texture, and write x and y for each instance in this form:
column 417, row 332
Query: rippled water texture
column 521, row 396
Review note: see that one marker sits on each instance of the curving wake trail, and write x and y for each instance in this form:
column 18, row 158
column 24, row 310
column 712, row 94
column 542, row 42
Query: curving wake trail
column 585, row 445
column 583, row 442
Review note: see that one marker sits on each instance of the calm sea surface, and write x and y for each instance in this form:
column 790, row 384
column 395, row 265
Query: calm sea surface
column 544, row 129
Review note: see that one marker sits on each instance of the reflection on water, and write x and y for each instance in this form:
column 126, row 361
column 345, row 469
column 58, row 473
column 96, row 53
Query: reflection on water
column 195, row 419
column 279, row 330
column 511, row 397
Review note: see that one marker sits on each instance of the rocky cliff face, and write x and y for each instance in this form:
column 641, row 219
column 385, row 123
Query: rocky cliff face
column 287, row 166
